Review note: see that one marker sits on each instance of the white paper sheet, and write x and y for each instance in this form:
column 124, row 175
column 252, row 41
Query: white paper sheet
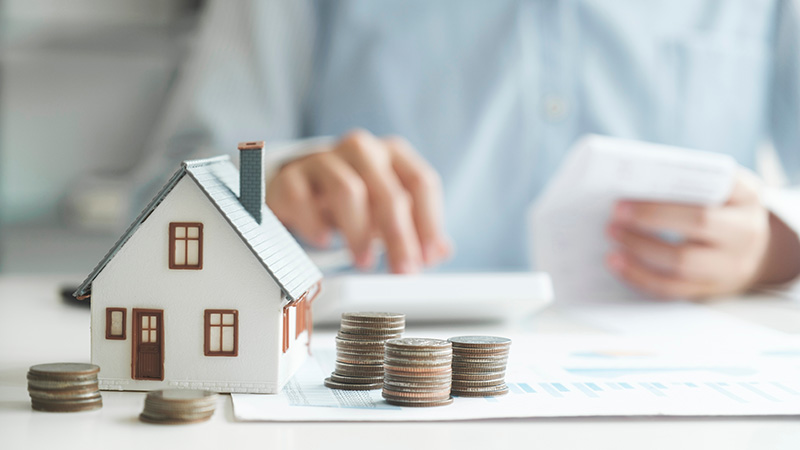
column 560, row 376
column 568, row 221
column 668, row 319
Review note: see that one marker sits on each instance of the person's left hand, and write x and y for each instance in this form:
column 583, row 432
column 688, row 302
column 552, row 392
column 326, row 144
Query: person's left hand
column 724, row 249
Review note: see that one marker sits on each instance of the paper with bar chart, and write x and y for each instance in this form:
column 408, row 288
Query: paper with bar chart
column 568, row 376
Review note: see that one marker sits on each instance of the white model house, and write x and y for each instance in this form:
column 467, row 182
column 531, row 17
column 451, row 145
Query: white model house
column 206, row 289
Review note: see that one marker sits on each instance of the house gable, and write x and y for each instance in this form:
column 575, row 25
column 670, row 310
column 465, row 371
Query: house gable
column 268, row 240
column 227, row 262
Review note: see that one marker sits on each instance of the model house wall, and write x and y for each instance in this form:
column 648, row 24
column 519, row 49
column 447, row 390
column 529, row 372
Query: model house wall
column 231, row 279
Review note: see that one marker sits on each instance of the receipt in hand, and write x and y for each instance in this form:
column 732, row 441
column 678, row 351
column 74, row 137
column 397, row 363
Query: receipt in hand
column 567, row 223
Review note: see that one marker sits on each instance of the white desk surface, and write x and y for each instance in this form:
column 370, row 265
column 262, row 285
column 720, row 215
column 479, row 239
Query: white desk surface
column 37, row 326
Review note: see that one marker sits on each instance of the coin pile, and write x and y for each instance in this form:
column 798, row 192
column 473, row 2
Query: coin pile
column 417, row 372
column 177, row 406
column 479, row 365
column 359, row 349
column 64, row 387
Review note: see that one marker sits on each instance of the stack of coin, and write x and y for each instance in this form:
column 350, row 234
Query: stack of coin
column 417, row 372
column 177, row 406
column 479, row 365
column 64, row 387
column 359, row 349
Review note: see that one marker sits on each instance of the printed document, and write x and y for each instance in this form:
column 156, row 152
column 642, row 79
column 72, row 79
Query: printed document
column 571, row 376
column 567, row 223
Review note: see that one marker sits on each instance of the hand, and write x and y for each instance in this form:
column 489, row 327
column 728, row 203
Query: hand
column 365, row 187
column 727, row 249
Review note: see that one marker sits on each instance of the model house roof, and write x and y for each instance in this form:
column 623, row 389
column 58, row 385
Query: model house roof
column 273, row 246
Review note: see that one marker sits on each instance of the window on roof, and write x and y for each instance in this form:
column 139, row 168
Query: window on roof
column 186, row 245
column 221, row 332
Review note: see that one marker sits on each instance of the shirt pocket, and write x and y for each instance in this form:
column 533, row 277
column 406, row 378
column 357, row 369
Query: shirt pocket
column 716, row 91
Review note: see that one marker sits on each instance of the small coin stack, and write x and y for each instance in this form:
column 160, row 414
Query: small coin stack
column 417, row 372
column 64, row 387
column 178, row 406
column 359, row 349
column 479, row 365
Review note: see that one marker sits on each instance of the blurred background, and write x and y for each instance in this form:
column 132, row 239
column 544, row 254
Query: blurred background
column 82, row 82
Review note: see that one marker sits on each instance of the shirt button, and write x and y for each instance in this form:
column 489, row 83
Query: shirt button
column 555, row 107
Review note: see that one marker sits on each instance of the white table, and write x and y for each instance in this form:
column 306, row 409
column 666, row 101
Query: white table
column 37, row 326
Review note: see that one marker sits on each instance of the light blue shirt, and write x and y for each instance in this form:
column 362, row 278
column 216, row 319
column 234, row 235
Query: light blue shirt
column 493, row 93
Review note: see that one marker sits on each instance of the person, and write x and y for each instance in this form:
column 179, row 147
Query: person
column 433, row 125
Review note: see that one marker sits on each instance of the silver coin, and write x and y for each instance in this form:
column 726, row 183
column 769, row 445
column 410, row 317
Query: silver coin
column 481, row 350
column 365, row 339
column 63, row 395
column 373, row 316
column 419, row 353
column 419, row 388
column 391, row 378
column 483, row 389
column 182, row 395
column 404, row 362
column 479, row 341
column 67, row 407
column 357, row 347
column 356, row 380
column 401, row 325
column 421, row 343
column 478, row 376
column 394, row 331
column 460, row 384
column 492, row 393
column 329, row 383
column 410, row 392
column 486, row 366
column 369, row 364
column 210, row 401
column 422, row 404
column 172, row 421
column 343, row 365
column 495, row 361
column 461, row 356
column 356, row 353
column 345, row 371
column 61, row 385
column 418, row 372
column 63, row 370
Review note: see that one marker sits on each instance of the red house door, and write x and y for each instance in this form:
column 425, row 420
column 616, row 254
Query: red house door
column 148, row 344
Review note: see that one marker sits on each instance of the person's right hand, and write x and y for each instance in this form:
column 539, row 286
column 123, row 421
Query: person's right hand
column 365, row 187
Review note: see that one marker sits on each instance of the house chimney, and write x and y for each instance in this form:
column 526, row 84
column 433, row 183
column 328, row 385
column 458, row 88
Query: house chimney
column 251, row 177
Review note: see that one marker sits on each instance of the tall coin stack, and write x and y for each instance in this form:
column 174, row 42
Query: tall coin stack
column 178, row 406
column 64, row 387
column 359, row 349
column 479, row 365
column 417, row 372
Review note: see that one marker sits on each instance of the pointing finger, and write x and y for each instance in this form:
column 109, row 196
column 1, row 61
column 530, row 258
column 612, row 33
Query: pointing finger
column 424, row 186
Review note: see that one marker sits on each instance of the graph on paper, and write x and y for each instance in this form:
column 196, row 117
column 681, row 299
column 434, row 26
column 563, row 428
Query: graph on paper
column 562, row 377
